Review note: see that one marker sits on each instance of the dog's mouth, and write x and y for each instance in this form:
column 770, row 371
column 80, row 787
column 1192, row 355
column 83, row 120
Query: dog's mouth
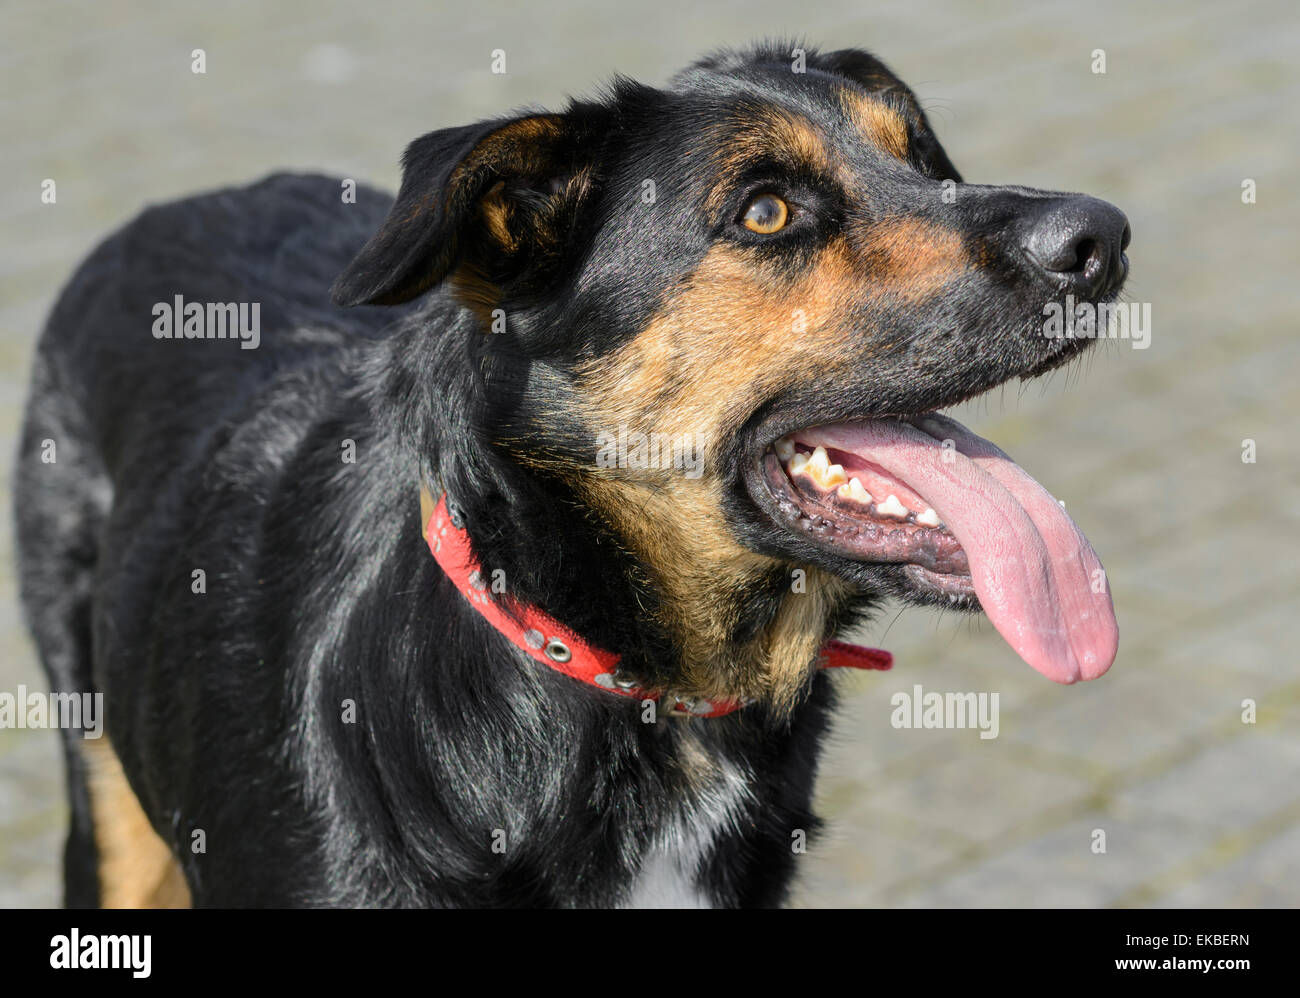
column 962, row 521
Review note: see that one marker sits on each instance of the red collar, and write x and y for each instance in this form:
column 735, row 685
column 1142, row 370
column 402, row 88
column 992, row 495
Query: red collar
column 551, row 643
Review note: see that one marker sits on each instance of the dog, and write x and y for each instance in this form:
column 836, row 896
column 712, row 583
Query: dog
column 482, row 546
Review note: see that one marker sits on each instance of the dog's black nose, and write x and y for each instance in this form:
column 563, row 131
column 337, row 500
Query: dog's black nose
column 1081, row 241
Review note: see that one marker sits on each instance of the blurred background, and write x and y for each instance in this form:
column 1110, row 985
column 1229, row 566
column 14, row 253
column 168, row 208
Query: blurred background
column 1144, row 446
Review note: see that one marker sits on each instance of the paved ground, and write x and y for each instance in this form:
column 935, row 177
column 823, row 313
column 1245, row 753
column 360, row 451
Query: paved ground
column 1197, row 807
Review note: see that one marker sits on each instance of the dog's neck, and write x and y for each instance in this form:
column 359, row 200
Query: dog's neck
column 698, row 616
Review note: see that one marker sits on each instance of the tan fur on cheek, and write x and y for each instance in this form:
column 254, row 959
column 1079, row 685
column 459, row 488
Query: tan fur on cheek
column 913, row 259
column 740, row 330
column 731, row 338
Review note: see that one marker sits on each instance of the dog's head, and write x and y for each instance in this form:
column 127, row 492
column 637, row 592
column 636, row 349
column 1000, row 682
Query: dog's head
column 733, row 307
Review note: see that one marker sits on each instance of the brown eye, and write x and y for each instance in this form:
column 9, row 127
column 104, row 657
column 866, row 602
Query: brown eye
column 767, row 213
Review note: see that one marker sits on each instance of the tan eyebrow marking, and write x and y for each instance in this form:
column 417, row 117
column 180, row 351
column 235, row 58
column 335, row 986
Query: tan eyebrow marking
column 772, row 133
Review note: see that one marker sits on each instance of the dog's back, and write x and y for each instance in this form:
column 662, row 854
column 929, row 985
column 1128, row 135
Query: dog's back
column 95, row 504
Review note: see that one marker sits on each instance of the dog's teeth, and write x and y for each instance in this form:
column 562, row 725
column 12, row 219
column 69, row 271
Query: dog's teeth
column 821, row 471
column 928, row 519
column 855, row 491
column 825, row 474
column 798, row 463
column 892, row 507
column 785, row 448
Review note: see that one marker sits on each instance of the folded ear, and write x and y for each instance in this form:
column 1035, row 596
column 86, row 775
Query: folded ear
column 493, row 188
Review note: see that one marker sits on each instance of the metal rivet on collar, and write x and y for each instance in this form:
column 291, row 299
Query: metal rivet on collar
column 533, row 638
column 558, row 651
column 693, row 706
column 624, row 681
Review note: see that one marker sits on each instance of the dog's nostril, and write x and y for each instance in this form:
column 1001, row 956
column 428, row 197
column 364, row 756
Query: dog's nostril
column 1084, row 251
column 1078, row 240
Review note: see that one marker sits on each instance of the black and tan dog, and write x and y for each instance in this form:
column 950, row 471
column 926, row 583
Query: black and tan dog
column 667, row 380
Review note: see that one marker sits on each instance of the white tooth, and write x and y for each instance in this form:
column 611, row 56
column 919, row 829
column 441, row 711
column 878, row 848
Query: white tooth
column 892, row 507
column 798, row 463
column 834, row 476
column 858, row 493
column 928, row 519
column 785, row 448
column 843, row 492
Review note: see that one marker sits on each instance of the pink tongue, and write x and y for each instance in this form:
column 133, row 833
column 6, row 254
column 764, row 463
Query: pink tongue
column 1035, row 573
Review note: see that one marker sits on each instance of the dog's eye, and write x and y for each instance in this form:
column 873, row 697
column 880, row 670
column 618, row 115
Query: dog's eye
column 766, row 214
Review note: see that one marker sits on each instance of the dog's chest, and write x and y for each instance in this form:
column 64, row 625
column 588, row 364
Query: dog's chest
column 670, row 872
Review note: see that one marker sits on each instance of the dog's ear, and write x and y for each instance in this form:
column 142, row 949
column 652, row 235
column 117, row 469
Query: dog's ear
column 868, row 71
column 491, row 194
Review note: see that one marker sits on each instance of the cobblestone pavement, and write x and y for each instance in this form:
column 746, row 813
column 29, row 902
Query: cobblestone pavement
column 1145, row 447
